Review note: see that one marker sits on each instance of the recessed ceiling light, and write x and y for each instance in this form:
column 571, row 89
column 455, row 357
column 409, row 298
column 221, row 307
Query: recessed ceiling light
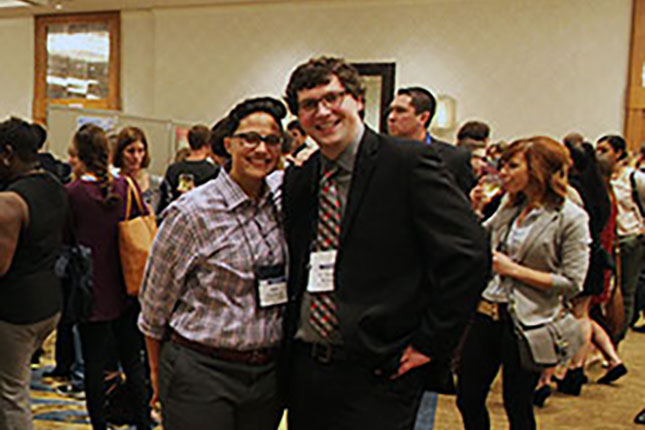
column 12, row 3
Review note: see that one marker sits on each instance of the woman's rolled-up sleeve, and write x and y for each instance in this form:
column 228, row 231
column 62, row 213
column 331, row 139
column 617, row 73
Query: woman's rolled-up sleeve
column 169, row 261
column 574, row 251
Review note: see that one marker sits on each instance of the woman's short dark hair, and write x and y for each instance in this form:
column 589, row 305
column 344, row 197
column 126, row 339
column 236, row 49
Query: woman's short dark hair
column 268, row 105
column 219, row 131
column 20, row 136
column 91, row 145
column 547, row 161
column 127, row 136
column 318, row 71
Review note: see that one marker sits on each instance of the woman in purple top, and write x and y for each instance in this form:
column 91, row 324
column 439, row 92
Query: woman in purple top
column 97, row 205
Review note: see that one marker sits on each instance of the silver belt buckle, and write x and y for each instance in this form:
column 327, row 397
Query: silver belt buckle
column 322, row 352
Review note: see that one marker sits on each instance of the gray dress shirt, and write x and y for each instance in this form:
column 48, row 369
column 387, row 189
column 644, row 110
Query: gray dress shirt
column 345, row 164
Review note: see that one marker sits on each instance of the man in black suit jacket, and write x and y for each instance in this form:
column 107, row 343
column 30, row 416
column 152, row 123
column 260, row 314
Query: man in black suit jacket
column 409, row 116
column 405, row 276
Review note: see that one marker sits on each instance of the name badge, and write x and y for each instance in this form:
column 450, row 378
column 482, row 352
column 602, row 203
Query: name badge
column 271, row 286
column 321, row 271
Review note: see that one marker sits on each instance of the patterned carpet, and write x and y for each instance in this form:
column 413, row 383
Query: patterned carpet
column 600, row 407
column 52, row 410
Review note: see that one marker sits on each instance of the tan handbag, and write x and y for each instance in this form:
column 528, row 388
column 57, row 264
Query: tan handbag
column 135, row 240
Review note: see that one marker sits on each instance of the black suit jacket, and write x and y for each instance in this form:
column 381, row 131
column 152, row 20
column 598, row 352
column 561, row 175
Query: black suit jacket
column 412, row 258
column 457, row 162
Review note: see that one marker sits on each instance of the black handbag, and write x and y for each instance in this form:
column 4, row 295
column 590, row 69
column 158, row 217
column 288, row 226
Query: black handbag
column 74, row 268
column 545, row 345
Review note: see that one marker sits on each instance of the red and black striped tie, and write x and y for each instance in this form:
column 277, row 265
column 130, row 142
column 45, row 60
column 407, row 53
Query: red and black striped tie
column 323, row 306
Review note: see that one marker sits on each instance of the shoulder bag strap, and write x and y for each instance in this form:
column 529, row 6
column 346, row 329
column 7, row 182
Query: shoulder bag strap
column 132, row 190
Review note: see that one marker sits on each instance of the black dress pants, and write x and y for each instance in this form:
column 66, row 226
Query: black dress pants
column 95, row 345
column 64, row 350
column 343, row 394
column 489, row 344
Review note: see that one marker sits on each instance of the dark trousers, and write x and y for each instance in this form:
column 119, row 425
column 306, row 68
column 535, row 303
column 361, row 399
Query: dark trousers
column 631, row 260
column 343, row 394
column 64, row 352
column 200, row 392
column 488, row 344
column 95, row 345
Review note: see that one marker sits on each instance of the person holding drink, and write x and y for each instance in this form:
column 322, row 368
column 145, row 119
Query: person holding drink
column 194, row 171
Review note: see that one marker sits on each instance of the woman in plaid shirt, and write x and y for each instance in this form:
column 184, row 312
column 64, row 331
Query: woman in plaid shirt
column 213, row 295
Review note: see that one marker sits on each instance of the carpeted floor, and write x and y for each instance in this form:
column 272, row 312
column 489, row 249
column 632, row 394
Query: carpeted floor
column 600, row 407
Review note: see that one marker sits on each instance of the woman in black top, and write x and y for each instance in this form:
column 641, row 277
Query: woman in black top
column 33, row 208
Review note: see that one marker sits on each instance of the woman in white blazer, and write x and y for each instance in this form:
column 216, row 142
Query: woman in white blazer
column 540, row 243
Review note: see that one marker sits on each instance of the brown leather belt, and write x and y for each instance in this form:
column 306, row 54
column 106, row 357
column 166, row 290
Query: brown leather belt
column 256, row 357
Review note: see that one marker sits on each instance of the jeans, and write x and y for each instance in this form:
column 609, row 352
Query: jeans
column 427, row 411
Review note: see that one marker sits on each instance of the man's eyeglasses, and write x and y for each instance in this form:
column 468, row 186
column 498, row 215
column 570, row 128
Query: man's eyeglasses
column 331, row 100
column 252, row 140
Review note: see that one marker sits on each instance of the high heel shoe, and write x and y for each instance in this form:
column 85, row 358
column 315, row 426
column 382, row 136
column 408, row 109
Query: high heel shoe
column 640, row 418
column 613, row 374
column 540, row 395
column 572, row 382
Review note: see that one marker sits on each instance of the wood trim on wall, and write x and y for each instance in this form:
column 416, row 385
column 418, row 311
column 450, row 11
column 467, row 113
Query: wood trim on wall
column 635, row 100
column 113, row 101
column 386, row 72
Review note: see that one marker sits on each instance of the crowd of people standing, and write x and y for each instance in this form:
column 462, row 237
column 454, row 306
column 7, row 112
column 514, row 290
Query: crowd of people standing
column 330, row 282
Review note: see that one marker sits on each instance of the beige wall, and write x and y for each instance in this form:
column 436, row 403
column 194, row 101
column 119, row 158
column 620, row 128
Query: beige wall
column 546, row 66
column 16, row 66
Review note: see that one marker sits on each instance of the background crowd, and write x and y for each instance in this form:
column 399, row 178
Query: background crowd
column 205, row 336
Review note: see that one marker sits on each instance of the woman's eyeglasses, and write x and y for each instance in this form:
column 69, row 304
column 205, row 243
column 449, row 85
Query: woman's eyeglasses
column 252, row 140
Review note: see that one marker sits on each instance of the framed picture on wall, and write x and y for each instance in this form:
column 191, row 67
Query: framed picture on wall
column 379, row 92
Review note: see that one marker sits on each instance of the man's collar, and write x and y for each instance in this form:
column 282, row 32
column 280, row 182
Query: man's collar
column 347, row 158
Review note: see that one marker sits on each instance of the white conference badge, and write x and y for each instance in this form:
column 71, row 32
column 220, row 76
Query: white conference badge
column 321, row 271
column 272, row 291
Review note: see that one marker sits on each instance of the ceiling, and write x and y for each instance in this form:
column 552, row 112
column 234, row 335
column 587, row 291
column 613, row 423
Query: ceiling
column 39, row 7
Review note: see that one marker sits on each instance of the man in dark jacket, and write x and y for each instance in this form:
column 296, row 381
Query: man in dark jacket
column 379, row 241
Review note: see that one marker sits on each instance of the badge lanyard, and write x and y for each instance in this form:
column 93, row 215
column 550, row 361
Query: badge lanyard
column 269, row 280
column 272, row 257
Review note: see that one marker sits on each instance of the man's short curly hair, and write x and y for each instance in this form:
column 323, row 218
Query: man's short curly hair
column 318, row 71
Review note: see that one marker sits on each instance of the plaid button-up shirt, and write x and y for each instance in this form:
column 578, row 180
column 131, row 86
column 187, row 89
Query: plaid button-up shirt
column 199, row 276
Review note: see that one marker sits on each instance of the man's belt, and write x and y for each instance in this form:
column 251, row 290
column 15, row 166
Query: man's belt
column 255, row 357
column 322, row 352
